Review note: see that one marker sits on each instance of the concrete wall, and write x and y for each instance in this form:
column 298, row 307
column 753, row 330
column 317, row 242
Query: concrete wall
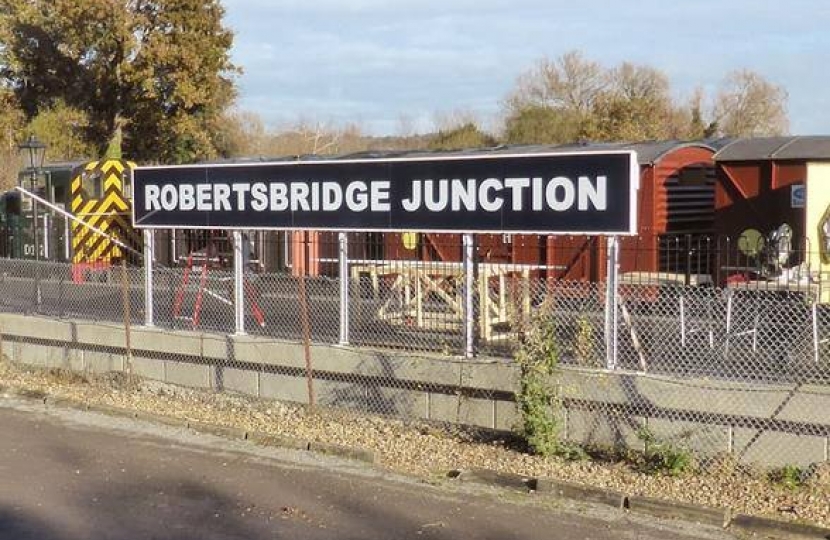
column 760, row 423
column 434, row 388
column 769, row 424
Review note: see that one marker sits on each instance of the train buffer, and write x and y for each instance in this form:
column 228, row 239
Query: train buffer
column 195, row 286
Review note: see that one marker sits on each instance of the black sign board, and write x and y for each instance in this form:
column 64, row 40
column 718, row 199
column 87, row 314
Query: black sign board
column 588, row 192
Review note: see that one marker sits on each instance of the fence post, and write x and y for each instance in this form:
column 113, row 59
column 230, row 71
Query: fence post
column 612, row 286
column 67, row 241
column 238, row 284
column 149, row 258
column 343, row 270
column 469, row 299
column 38, row 294
column 46, row 230
column 126, row 295
column 35, row 237
column 305, row 319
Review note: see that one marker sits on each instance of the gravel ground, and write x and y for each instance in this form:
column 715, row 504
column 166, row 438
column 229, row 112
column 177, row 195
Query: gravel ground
column 426, row 451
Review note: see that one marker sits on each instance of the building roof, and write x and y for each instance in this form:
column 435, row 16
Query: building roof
column 648, row 153
column 805, row 148
column 651, row 152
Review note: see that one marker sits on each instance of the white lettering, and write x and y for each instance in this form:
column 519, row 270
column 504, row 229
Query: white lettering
column 187, row 199
column 538, row 198
column 463, row 194
column 169, row 198
column 597, row 195
column 241, row 191
column 299, row 197
column 484, row 201
column 568, row 194
column 357, row 199
column 558, row 194
column 414, row 201
column 380, row 197
column 151, row 198
column 436, row 200
column 222, row 197
column 279, row 197
column 332, row 196
column 203, row 198
column 315, row 196
column 517, row 185
column 259, row 195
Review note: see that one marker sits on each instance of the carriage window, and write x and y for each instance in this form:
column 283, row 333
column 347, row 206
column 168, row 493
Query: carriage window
column 92, row 185
column 60, row 194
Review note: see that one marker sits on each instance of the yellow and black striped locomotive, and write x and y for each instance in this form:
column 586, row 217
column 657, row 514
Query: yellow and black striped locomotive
column 99, row 198
column 76, row 213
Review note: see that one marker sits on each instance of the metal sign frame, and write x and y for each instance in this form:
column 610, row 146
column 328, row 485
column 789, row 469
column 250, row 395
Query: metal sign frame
column 624, row 161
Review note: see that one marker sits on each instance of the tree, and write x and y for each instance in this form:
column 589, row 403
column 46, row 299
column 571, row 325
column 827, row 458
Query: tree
column 316, row 137
column 573, row 98
column 635, row 106
column 157, row 70
column 467, row 135
column 748, row 105
column 11, row 122
column 241, row 133
column 571, row 83
column 541, row 124
column 63, row 130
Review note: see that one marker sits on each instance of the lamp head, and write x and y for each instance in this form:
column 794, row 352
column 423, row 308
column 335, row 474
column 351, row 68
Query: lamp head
column 33, row 152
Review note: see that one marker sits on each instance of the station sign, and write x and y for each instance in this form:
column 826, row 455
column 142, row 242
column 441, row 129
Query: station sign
column 541, row 193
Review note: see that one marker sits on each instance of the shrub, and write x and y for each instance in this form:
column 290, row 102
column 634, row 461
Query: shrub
column 789, row 476
column 661, row 457
column 539, row 406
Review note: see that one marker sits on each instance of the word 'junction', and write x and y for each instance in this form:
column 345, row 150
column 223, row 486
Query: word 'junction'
column 558, row 194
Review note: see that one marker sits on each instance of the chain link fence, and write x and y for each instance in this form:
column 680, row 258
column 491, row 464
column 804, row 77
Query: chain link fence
column 427, row 328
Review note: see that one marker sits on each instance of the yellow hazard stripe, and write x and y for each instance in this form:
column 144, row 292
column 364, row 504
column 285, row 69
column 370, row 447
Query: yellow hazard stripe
column 110, row 214
column 108, row 166
column 112, row 182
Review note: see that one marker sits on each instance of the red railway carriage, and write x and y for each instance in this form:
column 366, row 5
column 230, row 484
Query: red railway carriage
column 772, row 190
column 675, row 200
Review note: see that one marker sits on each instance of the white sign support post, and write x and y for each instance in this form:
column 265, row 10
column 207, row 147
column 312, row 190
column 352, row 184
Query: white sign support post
column 343, row 271
column 611, row 294
column 238, row 284
column 469, row 292
column 149, row 258
column 67, row 241
column 46, row 229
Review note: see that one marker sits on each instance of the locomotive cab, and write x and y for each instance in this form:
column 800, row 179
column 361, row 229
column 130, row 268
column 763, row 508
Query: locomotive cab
column 30, row 230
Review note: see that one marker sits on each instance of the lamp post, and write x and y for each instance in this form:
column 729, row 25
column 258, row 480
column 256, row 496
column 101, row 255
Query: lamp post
column 32, row 152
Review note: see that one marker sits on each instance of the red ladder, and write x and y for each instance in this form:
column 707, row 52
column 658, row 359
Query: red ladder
column 178, row 303
column 197, row 305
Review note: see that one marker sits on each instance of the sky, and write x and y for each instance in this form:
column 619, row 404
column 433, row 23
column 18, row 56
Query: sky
column 394, row 66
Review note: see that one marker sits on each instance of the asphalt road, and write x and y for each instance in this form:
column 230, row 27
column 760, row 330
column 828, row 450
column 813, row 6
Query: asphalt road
column 67, row 475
